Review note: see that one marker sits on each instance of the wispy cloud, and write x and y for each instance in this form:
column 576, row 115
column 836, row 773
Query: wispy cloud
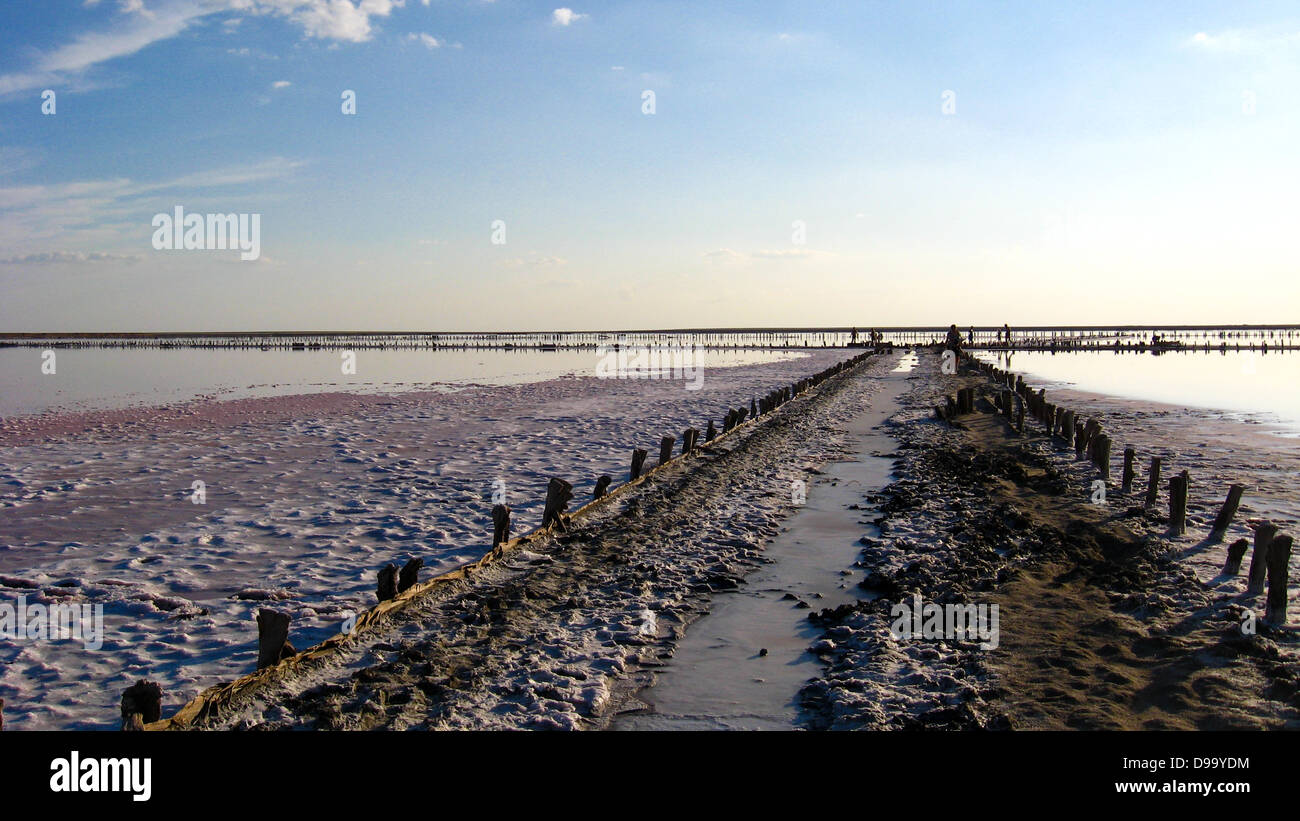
column 722, row 255
column 99, row 212
column 536, row 260
column 139, row 27
column 1244, row 40
column 58, row 257
column 281, row 84
column 428, row 40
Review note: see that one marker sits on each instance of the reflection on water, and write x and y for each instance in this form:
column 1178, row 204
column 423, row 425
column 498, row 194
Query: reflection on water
column 95, row 378
column 1262, row 386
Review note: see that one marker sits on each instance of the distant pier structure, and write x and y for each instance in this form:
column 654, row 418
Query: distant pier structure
column 1153, row 338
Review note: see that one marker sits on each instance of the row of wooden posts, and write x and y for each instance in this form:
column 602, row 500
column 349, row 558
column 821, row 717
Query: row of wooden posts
column 141, row 703
column 1271, row 556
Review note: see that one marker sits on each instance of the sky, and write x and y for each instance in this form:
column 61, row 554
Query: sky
column 623, row 165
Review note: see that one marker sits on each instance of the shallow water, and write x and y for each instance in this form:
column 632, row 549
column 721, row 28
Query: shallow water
column 1262, row 386
column 96, row 378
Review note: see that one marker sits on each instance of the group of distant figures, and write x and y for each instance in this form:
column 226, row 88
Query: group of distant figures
column 953, row 340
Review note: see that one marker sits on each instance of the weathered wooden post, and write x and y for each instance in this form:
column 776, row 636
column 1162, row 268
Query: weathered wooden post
column 1178, row 504
column 638, row 460
column 501, row 524
column 387, row 583
column 1129, row 472
column 1236, row 552
column 1079, row 428
column 1103, row 455
column 602, row 487
column 710, row 432
column 1006, row 404
column 1229, row 509
column 558, row 495
column 1264, row 534
column 410, row 575
column 1279, row 559
column 1020, row 416
column 141, row 704
column 1153, row 481
column 753, row 409
column 666, row 449
column 273, row 636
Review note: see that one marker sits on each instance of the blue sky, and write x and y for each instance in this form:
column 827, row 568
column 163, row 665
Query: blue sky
column 1116, row 163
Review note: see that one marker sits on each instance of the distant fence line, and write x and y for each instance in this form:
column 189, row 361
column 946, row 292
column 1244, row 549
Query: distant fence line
column 1033, row 338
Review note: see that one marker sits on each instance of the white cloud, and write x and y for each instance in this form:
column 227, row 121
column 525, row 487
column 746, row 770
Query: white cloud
column 281, row 84
column 133, row 7
column 566, row 16
column 137, row 28
column 428, row 40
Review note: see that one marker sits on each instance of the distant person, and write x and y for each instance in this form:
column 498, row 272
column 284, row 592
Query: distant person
column 970, row 335
column 953, row 342
column 1006, row 333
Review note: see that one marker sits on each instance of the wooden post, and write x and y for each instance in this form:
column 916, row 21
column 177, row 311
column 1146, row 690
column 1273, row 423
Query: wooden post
column 1103, row 456
column 638, row 460
column 1078, row 440
column 1006, row 404
column 666, row 449
column 710, row 432
column 501, row 524
column 410, row 575
column 273, row 636
column 387, row 584
column 141, row 704
column 1178, row 504
column 1129, row 472
column 1229, row 509
column 558, row 494
column 602, row 486
column 1236, row 552
column 1264, row 534
column 1153, row 481
column 1020, row 415
column 1279, row 558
